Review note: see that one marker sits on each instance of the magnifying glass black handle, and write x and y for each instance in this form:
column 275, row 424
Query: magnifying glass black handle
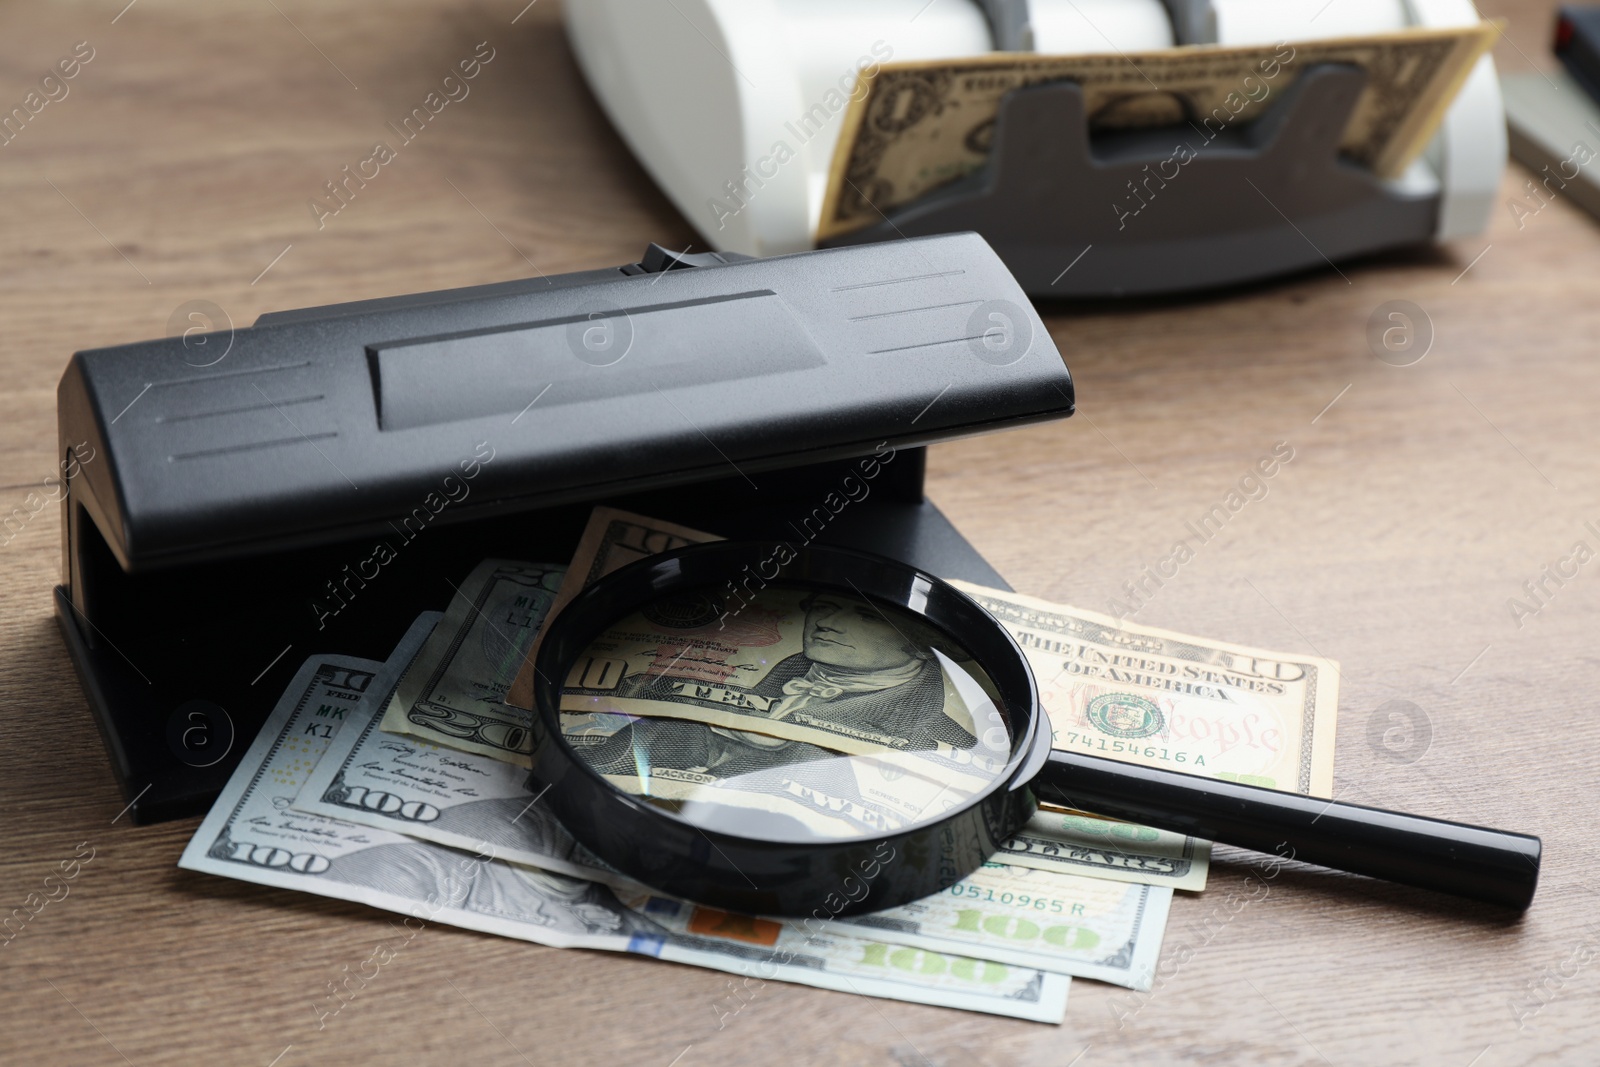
column 1468, row 861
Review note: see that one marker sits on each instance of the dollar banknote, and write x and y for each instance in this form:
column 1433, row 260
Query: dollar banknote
column 404, row 784
column 831, row 669
column 1165, row 699
column 612, row 538
column 453, row 693
column 465, row 800
column 853, row 965
column 1087, row 927
column 253, row 834
column 922, row 124
column 474, row 802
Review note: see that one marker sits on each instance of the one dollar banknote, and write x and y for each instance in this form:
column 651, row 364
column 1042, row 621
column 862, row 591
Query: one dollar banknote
column 925, row 123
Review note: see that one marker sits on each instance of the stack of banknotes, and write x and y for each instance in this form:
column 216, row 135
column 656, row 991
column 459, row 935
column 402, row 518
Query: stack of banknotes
column 402, row 785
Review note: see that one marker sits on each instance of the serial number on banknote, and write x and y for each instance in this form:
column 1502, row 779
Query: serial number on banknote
column 1020, row 900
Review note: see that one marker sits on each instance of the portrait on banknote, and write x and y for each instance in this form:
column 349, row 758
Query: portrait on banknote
column 816, row 666
column 809, row 705
column 855, row 671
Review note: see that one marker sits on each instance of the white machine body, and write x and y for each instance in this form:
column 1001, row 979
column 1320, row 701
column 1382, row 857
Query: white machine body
column 735, row 106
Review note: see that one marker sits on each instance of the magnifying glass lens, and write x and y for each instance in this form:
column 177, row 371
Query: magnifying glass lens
column 791, row 713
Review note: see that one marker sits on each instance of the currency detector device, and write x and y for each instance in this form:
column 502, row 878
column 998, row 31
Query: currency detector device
column 1553, row 118
column 308, row 484
column 702, row 91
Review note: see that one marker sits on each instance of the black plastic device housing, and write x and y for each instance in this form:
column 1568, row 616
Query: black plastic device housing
column 337, row 469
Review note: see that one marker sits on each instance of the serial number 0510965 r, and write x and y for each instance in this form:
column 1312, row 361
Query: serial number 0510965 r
column 1021, row 900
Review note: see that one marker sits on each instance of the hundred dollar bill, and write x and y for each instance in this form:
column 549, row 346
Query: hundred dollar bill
column 403, row 785
column 465, row 800
column 925, row 123
column 253, row 835
column 855, row 965
column 449, row 797
column 1057, row 923
column 1085, row 927
column 612, row 538
column 1164, row 699
column 452, row 695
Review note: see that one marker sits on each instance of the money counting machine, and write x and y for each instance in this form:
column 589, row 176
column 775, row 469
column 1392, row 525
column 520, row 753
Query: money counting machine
column 310, row 483
column 702, row 91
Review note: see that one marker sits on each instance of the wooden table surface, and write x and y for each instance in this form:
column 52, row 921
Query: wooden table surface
column 1418, row 502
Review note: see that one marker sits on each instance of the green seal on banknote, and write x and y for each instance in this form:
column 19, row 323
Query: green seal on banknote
column 1125, row 715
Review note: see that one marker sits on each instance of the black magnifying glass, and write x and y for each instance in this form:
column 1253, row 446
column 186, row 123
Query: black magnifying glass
column 814, row 731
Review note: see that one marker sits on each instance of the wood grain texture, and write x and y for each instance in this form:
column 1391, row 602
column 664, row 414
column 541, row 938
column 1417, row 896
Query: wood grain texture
column 179, row 167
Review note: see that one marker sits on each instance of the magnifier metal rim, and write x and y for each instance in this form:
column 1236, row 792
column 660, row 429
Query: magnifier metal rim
column 623, row 592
